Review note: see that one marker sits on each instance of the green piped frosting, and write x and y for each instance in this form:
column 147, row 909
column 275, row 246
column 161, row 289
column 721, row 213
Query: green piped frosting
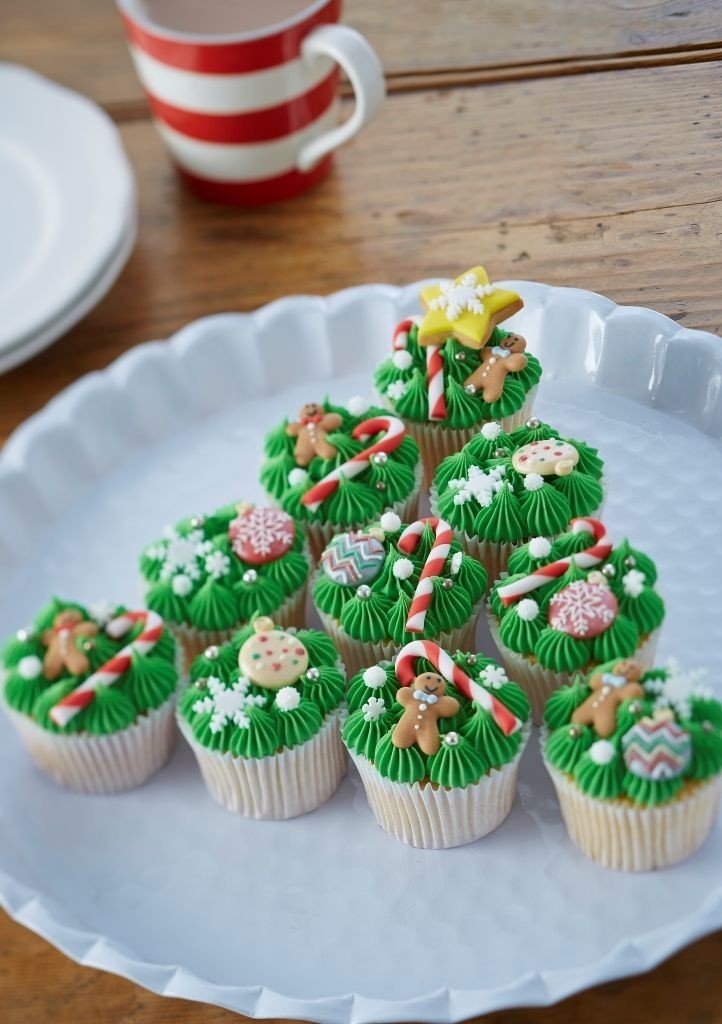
column 480, row 494
column 630, row 575
column 194, row 578
column 566, row 745
column 272, row 720
column 356, row 501
column 601, row 781
column 379, row 614
column 405, row 388
column 150, row 680
column 471, row 745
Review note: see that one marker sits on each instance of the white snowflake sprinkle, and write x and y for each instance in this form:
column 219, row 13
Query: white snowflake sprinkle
column 217, row 564
column 396, row 390
column 677, row 690
column 455, row 564
column 228, row 703
column 493, row 677
column 373, row 709
column 633, row 582
column 287, row 698
column 462, row 296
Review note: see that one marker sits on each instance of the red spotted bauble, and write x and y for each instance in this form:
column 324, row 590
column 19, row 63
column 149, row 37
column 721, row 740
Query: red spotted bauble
column 261, row 535
column 583, row 610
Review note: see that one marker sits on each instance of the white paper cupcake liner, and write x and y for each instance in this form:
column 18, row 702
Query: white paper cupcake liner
column 436, row 441
column 618, row 834
column 435, row 818
column 360, row 654
column 193, row 642
column 539, row 683
column 284, row 785
column 319, row 534
column 101, row 764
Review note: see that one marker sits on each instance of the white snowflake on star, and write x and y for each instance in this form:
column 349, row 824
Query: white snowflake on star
column 228, row 703
column 463, row 296
column 679, row 687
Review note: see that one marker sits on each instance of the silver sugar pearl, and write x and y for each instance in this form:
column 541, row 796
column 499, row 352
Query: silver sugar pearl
column 533, row 423
column 211, row 652
column 447, row 584
column 452, row 739
column 250, row 576
column 575, row 732
column 197, row 521
column 313, row 674
column 380, row 458
column 635, row 708
column 380, row 485
column 460, row 357
column 630, row 561
column 470, row 389
column 471, row 660
column 201, row 684
column 363, row 592
column 88, row 645
column 500, row 453
column 707, row 726
column 609, row 571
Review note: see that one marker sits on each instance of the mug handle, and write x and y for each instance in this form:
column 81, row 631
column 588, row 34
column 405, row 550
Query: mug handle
column 349, row 49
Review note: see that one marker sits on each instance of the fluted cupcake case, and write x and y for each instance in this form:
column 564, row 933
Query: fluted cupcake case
column 636, row 762
column 92, row 697
column 338, row 468
column 454, row 369
column 262, row 715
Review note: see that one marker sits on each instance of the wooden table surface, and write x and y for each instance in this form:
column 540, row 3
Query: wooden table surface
column 568, row 142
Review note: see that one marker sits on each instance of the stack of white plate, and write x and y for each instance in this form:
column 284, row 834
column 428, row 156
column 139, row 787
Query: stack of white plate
column 67, row 211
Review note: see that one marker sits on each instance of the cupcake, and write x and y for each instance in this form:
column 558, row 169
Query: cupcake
column 336, row 468
column 208, row 575
column 91, row 693
column 636, row 760
column 377, row 589
column 437, row 742
column 502, row 489
column 454, row 368
column 572, row 604
column 262, row 715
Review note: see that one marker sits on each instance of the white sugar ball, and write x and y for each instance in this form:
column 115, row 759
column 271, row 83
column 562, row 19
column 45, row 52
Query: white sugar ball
column 402, row 359
column 181, row 585
column 540, row 547
column 288, row 698
column 602, row 752
column 403, row 568
column 533, row 481
column 30, row 667
column 374, row 677
column 455, row 564
column 390, row 522
column 358, row 405
column 527, row 609
column 297, row 476
column 490, row 431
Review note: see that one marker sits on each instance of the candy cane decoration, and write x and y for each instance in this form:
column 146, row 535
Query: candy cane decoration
column 401, row 332
column 434, row 367
column 113, row 669
column 446, row 667
column 433, row 567
column 395, row 431
column 593, row 555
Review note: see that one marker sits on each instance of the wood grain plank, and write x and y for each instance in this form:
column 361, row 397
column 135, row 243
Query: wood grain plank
column 39, row 984
column 80, row 42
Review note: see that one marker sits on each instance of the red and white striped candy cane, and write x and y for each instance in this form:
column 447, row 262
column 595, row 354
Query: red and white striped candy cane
column 433, row 567
column 401, row 332
column 434, row 367
column 446, row 667
column 593, row 555
column 113, row 669
column 395, row 431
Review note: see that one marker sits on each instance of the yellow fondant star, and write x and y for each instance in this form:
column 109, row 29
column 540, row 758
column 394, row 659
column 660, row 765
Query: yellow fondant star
column 467, row 309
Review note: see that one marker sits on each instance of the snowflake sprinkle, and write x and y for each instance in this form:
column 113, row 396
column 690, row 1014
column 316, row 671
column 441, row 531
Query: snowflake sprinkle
column 678, row 688
column 228, row 703
column 396, row 390
column 373, row 709
column 493, row 677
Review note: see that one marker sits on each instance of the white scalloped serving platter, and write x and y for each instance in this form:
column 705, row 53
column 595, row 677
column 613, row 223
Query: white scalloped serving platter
column 325, row 917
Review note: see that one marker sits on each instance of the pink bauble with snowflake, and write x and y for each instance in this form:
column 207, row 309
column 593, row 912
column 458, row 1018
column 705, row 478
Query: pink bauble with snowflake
column 262, row 535
column 583, row 610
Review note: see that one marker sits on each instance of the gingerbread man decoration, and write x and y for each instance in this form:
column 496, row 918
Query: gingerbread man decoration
column 609, row 689
column 60, row 641
column 496, row 362
column 310, row 431
column 424, row 703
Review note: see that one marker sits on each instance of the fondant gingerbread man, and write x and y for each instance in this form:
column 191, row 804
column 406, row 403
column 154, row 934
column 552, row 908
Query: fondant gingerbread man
column 424, row 704
column 310, row 432
column 62, row 652
column 609, row 689
column 496, row 362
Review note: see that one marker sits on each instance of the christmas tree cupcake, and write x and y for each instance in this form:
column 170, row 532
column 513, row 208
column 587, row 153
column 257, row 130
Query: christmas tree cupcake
column 262, row 716
column 337, row 468
column 454, row 369
column 636, row 760
column 92, row 694
column 378, row 588
column 572, row 604
column 208, row 575
column 437, row 741
column 502, row 489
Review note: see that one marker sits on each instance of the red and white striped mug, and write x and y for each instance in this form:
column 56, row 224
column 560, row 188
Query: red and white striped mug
column 252, row 117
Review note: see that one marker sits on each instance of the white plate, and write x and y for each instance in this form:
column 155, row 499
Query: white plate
column 325, row 917
column 67, row 203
